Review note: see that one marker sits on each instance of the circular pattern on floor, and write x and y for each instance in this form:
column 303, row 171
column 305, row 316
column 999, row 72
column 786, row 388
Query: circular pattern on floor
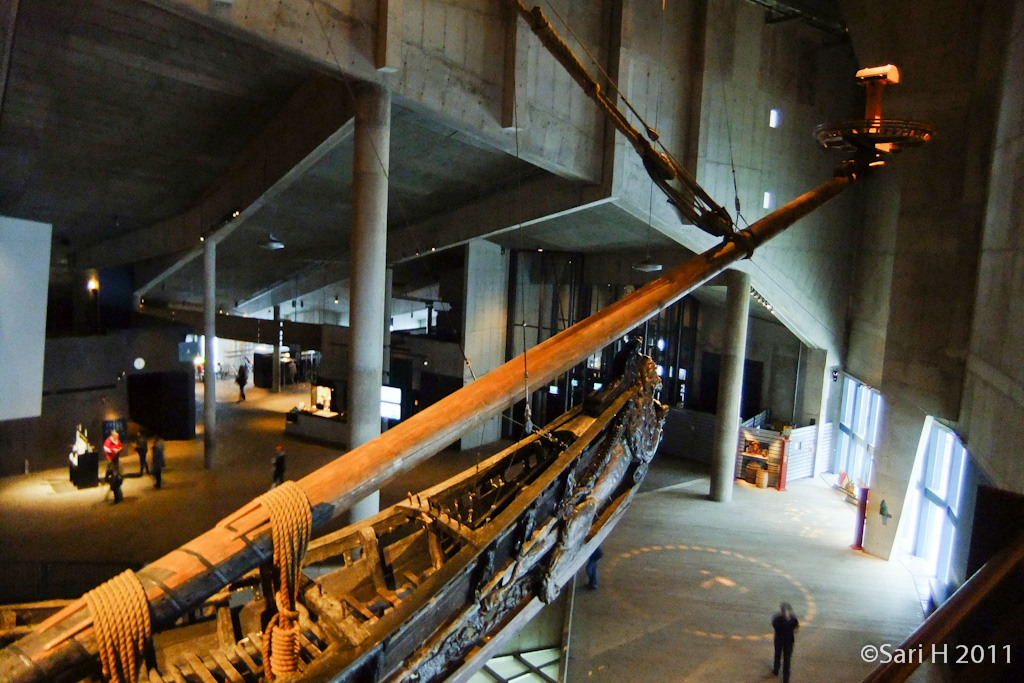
column 704, row 590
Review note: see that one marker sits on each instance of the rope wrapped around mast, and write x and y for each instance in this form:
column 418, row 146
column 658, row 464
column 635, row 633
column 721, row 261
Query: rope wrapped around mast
column 291, row 522
column 120, row 614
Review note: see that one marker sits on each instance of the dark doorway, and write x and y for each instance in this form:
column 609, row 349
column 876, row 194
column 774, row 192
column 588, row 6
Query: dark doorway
column 753, row 377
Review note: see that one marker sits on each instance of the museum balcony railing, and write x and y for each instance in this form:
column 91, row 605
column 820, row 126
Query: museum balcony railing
column 999, row 572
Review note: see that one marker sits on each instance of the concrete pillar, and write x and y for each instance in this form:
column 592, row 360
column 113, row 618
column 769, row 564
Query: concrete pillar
column 388, row 286
column 275, row 368
column 484, row 322
column 730, row 386
column 367, row 274
column 209, row 374
column 386, row 356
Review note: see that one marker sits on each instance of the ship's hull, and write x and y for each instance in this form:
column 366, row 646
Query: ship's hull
column 425, row 589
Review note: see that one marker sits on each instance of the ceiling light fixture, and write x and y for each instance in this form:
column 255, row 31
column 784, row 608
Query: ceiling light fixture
column 272, row 243
column 647, row 265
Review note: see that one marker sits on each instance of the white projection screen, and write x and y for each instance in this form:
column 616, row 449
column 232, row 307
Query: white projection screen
column 24, row 278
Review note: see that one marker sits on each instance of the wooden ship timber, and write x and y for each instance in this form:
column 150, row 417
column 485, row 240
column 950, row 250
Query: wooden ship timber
column 426, row 590
column 413, row 593
column 426, row 587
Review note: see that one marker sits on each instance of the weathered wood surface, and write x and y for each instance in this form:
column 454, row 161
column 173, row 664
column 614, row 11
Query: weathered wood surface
column 64, row 648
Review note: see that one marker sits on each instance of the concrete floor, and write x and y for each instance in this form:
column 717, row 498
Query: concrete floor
column 688, row 586
column 59, row 541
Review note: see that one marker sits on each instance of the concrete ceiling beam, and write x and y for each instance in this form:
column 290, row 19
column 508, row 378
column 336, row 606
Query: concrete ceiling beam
column 503, row 211
column 300, row 285
column 311, row 124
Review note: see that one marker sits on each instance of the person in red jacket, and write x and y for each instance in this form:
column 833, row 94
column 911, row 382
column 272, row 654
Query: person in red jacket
column 112, row 448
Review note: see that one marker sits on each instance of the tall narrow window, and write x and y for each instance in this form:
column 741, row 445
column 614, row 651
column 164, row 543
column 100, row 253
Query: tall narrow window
column 773, row 118
column 933, row 503
column 767, row 200
column 858, row 429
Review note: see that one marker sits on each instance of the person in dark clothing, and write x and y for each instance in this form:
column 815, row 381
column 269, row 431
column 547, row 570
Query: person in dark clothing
column 785, row 624
column 592, row 567
column 115, row 479
column 241, row 379
column 278, row 466
column 142, row 448
column 158, row 461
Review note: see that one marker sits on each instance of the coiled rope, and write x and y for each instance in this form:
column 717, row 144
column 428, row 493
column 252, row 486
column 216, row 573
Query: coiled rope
column 120, row 614
column 291, row 521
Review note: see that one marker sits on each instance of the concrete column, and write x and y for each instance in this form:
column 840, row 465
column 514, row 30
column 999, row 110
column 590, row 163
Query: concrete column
column 372, row 139
column 209, row 376
column 388, row 286
column 386, row 356
column 730, row 386
column 484, row 323
column 275, row 368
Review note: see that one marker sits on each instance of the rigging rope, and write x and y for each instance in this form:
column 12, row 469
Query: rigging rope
column 120, row 613
column 291, row 522
column 651, row 132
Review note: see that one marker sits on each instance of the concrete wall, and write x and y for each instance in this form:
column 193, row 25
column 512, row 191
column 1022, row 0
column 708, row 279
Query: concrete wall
column 805, row 272
column 484, row 322
column 660, row 66
column 84, row 383
column 992, row 407
column 768, row 343
column 447, row 56
column 913, row 330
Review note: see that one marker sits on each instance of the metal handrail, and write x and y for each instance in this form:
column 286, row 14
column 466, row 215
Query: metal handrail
column 960, row 605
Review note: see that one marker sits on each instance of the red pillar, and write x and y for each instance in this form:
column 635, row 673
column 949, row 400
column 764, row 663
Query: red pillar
column 862, row 517
column 783, row 465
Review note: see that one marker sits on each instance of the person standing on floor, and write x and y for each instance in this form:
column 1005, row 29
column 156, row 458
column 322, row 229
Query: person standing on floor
column 158, row 461
column 112, row 449
column 115, row 479
column 241, row 379
column 785, row 624
column 142, row 448
column 592, row 567
column 278, row 466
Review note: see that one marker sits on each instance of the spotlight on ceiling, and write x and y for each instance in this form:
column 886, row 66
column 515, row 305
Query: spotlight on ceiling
column 647, row 265
column 272, row 242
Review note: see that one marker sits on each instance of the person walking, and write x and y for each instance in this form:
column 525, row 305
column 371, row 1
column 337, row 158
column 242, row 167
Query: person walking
column 142, row 448
column 158, row 461
column 278, row 466
column 785, row 624
column 241, row 379
column 112, row 449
